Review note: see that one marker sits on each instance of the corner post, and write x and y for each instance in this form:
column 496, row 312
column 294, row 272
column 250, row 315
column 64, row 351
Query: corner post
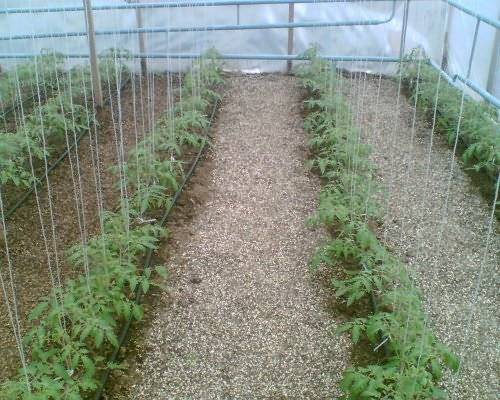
column 94, row 67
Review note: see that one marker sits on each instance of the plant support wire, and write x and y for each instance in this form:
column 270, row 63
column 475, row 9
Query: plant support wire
column 149, row 254
column 39, row 182
column 215, row 3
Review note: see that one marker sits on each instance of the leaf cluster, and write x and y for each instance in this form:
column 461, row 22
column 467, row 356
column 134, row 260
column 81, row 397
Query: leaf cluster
column 62, row 115
column 476, row 123
column 78, row 323
column 415, row 358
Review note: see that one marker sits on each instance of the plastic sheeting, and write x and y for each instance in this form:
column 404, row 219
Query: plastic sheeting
column 429, row 20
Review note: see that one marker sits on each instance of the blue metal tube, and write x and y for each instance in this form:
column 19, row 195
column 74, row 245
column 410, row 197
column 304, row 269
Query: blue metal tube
column 177, row 4
column 484, row 94
column 489, row 21
column 208, row 28
column 269, row 57
column 173, row 4
column 452, row 80
column 404, row 28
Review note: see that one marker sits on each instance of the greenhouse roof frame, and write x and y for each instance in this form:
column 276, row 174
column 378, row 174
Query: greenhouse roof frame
column 215, row 3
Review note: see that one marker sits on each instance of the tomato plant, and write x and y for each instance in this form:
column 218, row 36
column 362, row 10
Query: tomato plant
column 479, row 132
column 78, row 322
column 63, row 114
column 412, row 367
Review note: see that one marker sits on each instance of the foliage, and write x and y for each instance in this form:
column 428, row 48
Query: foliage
column 63, row 115
column 153, row 168
column 476, row 122
column 49, row 123
column 78, row 322
column 24, row 79
column 112, row 66
column 415, row 358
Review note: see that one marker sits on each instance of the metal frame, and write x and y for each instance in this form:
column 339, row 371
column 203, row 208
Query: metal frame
column 288, row 25
column 175, row 4
column 208, row 28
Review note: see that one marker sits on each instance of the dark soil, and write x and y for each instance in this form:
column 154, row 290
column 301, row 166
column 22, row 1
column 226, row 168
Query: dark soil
column 30, row 253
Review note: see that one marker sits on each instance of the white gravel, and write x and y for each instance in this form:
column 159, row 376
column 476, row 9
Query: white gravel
column 444, row 255
column 246, row 319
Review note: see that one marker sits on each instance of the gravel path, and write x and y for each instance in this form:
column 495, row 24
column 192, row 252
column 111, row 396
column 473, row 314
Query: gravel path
column 444, row 256
column 246, row 321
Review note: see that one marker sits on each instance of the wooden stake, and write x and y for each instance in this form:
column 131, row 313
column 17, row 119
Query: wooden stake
column 94, row 67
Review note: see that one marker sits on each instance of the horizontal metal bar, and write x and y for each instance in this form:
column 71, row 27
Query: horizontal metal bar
column 214, row 3
column 208, row 28
column 484, row 94
column 452, row 80
column 461, row 7
column 270, row 57
column 173, row 4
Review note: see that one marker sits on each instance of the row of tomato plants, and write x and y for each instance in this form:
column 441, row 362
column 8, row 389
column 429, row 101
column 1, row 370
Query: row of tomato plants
column 77, row 325
column 21, row 83
column 475, row 123
column 43, row 76
column 62, row 116
column 412, row 363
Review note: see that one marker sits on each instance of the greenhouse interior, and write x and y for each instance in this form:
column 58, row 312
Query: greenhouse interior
column 249, row 199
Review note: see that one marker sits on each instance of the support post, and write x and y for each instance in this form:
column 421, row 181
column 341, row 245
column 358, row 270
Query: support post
column 94, row 67
column 446, row 44
column 404, row 28
column 142, row 42
column 473, row 48
column 291, row 17
column 494, row 64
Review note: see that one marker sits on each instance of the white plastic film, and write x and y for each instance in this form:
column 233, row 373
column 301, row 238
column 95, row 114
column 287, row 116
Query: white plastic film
column 427, row 25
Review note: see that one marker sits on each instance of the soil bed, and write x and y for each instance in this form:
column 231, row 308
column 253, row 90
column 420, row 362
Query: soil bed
column 25, row 236
column 440, row 234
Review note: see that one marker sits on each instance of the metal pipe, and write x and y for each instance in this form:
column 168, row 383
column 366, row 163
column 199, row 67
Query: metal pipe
column 404, row 27
column 489, row 21
column 484, row 94
column 179, row 4
column 269, row 57
column 208, row 28
column 291, row 17
column 473, row 48
column 284, row 57
column 452, row 80
column 174, row 4
column 142, row 41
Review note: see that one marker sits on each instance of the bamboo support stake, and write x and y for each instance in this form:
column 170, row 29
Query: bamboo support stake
column 94, row 68
column 291, row 13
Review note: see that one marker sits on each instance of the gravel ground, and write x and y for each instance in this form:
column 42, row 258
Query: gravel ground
column 25, row 239
column 244, row 319
column 444, row 256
